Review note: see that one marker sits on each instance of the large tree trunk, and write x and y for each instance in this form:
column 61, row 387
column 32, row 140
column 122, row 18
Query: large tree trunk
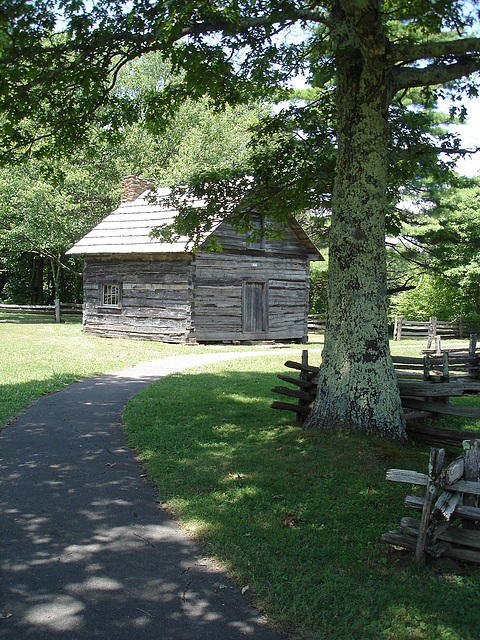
column 357, row 386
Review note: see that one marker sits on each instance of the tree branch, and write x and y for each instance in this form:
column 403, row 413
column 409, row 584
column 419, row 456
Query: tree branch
column 436, row 73
column 405, row 53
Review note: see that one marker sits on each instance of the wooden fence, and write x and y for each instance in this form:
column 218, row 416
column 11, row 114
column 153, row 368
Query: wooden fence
column 449, row 524
column 458, row 328
column 37, row 313
column 425, row 386
column 316, row 322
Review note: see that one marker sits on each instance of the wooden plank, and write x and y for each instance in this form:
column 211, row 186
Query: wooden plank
column 435, row 464
column 446, row 505
column 471, row 451
column 412, row 414
column 287, row 406
column 461, row 537
column 464, row 486
column 298, row 366
column 452, row 473
column 400, row 540
column 431, row 389
column 294, row 393
column 407, row 477
column 442, row 436
column 409, row 542
column 441, row 407
column 304, row 384
column 467, row 555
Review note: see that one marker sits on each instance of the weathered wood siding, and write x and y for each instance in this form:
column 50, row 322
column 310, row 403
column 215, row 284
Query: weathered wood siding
column 239, row 294
column 222, row 291
column 156, row 294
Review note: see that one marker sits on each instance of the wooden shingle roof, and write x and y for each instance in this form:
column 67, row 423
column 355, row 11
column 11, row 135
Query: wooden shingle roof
column 127, row 230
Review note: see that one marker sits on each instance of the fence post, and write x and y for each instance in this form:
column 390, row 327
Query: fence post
column 471, row 450
column 472, row 345
column 397, row 329
column 300, row 417
column 57, row 310
column 460, row 327
column 433, row 326
column 434, row 469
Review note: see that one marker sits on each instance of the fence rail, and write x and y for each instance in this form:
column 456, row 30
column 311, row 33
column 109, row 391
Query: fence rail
column 316, row 322
column 458, row 328
column 449, row 525
column 425, row 385
column 36, row 313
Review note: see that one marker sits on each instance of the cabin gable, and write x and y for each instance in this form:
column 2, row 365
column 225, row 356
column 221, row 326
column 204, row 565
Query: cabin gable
column 245, row 293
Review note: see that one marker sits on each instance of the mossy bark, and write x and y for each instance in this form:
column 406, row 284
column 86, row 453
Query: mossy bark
column 357, row 386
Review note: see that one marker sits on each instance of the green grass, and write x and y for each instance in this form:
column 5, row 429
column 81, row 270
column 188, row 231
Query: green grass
column 36, row 359
column 297, row 516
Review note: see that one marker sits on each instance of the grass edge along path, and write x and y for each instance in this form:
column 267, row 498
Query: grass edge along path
column 37, row 359
column 294, row 516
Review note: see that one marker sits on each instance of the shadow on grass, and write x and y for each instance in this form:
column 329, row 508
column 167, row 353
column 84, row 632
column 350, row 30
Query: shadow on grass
column 297, row 516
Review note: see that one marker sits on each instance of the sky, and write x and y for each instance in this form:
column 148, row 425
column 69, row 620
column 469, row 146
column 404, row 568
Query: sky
column 470, row 134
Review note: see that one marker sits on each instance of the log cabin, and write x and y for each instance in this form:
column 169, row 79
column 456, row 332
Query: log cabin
column 136, row 286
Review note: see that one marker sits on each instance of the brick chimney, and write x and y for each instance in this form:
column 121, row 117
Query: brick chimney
column 133, row 186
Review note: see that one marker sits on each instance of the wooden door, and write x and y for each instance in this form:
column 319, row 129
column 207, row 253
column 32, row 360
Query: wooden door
column 255, row 307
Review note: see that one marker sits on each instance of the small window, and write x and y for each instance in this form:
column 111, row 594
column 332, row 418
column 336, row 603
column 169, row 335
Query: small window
column 254, row 240
column 110, row 295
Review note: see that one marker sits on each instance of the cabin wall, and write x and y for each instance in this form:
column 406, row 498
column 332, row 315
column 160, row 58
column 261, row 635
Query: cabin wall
column 156, row 293
column 223, row 285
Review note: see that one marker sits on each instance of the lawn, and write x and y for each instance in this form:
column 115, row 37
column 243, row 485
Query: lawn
column 296, row 516
column 36, row 359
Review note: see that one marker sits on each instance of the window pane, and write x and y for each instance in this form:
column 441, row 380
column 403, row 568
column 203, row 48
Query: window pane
column 111, row 295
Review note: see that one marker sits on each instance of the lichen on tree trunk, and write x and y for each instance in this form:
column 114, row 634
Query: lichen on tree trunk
column 357, row 387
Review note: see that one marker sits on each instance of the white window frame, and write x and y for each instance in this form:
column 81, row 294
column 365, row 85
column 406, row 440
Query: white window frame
column 110, row 295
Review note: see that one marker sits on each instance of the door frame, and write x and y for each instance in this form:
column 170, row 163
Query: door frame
column 265, row 305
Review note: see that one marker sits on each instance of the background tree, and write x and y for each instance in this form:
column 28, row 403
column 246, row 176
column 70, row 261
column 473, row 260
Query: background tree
column 47, row 204
column 370, row 52
column 442, row 241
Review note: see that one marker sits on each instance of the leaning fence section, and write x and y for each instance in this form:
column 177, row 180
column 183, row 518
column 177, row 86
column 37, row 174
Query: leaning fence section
column 449, row 522
column 31, row 314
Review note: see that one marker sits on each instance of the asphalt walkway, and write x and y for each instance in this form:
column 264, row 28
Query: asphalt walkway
column 86, row 552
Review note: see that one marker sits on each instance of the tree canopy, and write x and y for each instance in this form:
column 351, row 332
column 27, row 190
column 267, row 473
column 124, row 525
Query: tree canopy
column 442, row 243
column 47, row 203
column 378, row 68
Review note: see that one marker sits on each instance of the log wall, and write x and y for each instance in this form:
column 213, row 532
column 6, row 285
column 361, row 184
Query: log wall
column 156, row 293
column 219, row 281
column 184, row 298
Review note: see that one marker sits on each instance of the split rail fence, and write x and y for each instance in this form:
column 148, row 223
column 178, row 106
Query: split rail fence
column 65, row 312
column 449, row 524
column 458, row 328
column 425, row 383
column 316, row 322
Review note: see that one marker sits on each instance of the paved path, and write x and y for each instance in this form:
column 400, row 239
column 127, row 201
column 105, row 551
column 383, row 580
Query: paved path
column 86, row 552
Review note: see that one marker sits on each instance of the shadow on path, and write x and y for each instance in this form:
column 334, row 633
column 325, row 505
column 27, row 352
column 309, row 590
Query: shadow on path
column 85, row 550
